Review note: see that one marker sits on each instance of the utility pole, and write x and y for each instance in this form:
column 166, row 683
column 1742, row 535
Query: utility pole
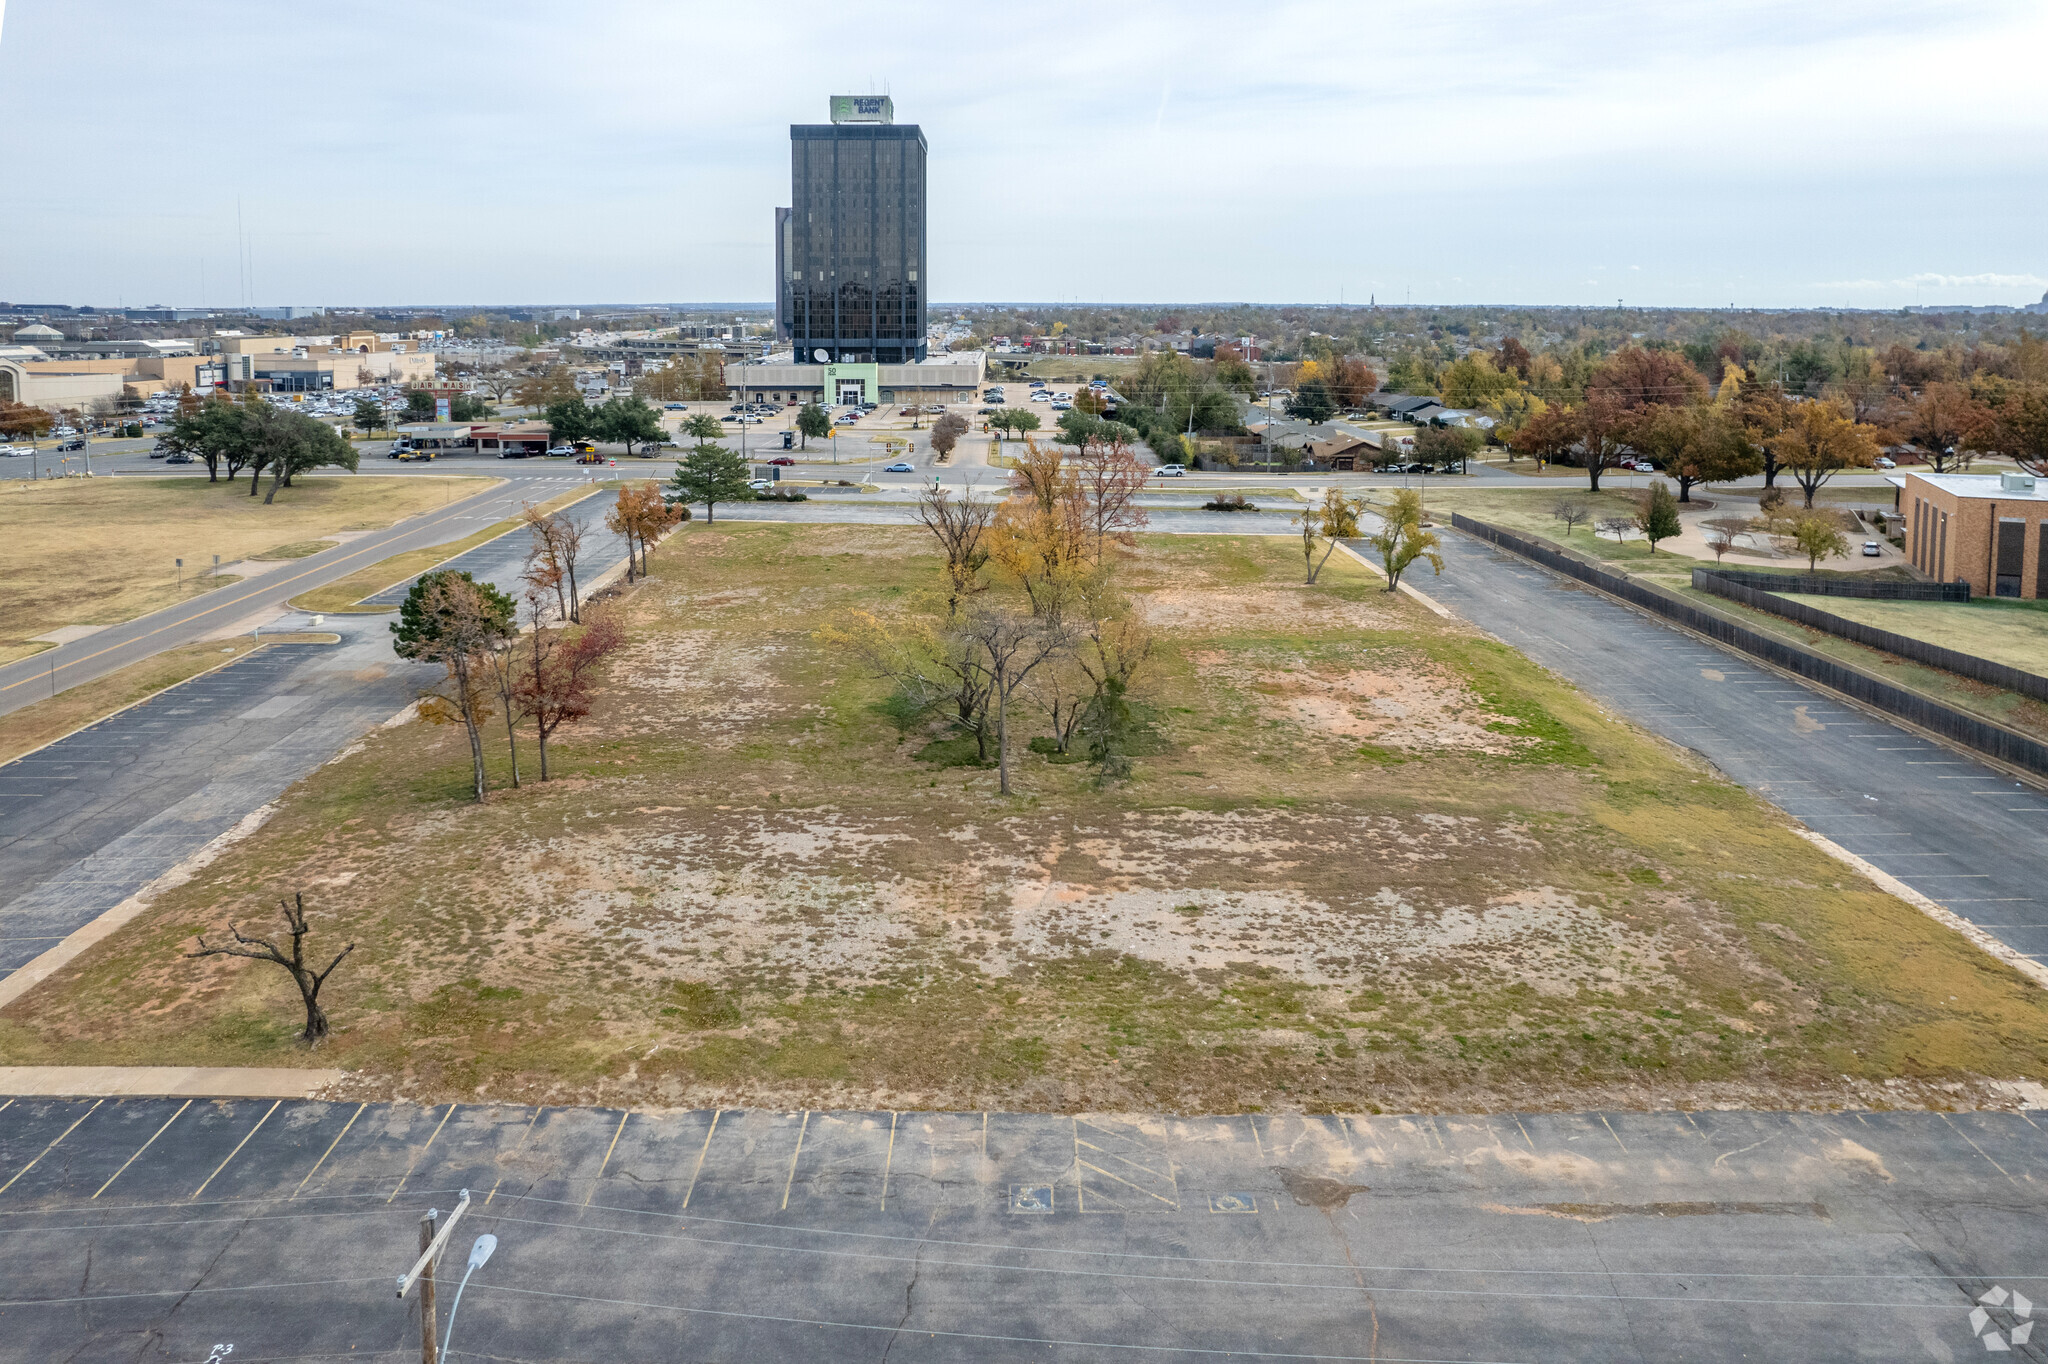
column 430, row 1349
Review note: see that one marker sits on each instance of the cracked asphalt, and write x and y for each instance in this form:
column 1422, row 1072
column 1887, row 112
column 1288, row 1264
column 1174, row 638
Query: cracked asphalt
column 165, row 1229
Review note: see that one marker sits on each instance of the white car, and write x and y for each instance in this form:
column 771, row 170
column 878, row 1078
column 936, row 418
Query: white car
column 1170, row 471
column 563, row 450
column 1885, row 463
column 1870, row 549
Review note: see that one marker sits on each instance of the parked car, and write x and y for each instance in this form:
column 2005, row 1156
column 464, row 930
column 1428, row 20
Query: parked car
column 561, row 450
column 512, row 452
column 675, row 407
column 901, row 466
column 1170, row 471
column 1062, row 407
column 1884, row 462
column 783, row 460
column 984, row 411
column 1870, row 549
column 75, row 443
column 760, row 485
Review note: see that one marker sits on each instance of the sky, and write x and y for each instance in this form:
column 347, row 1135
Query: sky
column 1869, row 155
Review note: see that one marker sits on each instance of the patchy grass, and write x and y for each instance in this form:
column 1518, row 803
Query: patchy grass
column 302, row 549
column 99, row 551
column 341, row 597
column 1372, row 860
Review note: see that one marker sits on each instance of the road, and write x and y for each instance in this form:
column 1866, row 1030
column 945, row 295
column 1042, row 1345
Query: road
column 1953, row 829
column 161, row 1229
column 32, row 679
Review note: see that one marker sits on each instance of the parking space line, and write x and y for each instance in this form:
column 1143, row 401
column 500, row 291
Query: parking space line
column 889, row 1161
column 702, row 1152
column 790, row 1183
column 52, row 1146
column 1256, row 1143
column 244, row 1142
column 1612, row 1133
column 1975, row 1147
column 140, row 1149
column 1119, row 1179
column 325, row 1154
column 423, row 1153
column 519, row 1146
column 603, row 1164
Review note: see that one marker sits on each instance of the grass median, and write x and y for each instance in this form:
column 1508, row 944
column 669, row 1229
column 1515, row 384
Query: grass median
column 344, row 596
column 1364, row 859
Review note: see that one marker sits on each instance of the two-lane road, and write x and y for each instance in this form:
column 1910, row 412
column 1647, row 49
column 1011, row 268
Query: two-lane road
column 54, row 670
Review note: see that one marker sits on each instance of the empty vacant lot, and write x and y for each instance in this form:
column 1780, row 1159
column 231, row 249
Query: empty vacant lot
column 1365, row 859
column 99, row 551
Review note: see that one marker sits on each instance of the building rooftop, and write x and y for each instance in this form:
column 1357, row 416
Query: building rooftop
column 1990, row 487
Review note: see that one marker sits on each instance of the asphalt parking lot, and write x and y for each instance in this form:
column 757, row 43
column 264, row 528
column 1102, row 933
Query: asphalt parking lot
column 166, row 1229
column 89, row 820
column 1959, row 832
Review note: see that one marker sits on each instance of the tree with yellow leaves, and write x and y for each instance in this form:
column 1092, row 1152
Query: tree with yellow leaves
column 1336, row 519
column 1819, row 441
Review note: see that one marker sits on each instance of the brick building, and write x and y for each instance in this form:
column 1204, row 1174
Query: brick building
column 1989, row 530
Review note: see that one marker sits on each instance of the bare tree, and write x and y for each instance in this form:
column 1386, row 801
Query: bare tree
column 1009, row 647
column 1720, row 534
column 262, row 949
column 1571, row 511
column 959, row 527
column 544, row 568
column 1617, row 526
column 1109, row 479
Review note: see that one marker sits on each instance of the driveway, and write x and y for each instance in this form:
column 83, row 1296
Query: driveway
column 1952, row 828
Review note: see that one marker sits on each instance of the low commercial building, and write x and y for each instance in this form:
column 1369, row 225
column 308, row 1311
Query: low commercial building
column 1989, row 530
column 952, row 378
column 511, row 438
column 297, row 364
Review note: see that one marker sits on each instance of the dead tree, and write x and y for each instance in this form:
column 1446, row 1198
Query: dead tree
column 261, row 949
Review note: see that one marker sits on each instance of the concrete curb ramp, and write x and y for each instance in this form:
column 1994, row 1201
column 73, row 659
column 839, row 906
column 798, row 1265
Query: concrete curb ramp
column 172, row 1082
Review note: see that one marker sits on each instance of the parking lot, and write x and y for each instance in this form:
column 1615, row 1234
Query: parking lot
column 166, row 1229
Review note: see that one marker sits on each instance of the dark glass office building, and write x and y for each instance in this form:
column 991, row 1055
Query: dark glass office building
column 850, row 250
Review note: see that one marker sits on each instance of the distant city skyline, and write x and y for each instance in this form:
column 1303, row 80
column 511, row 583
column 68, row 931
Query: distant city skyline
column 1751, row 155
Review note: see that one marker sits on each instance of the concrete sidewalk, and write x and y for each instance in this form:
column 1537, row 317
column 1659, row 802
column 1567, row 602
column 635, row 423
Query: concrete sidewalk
column 166, row 1082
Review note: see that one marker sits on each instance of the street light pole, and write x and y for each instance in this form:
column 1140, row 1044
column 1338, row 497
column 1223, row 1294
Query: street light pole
column 479, row 1254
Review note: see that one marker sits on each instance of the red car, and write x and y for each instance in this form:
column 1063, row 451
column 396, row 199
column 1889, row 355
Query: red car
column 782, row 459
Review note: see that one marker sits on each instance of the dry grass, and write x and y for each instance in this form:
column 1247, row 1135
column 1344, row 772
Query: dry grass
column 341, row 596
column 2013, row 633
column 1366, row 859
column 104, row 550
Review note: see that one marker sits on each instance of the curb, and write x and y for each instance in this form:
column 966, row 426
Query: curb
column 167, row 1082
column 1949, row 919
column 46, row 964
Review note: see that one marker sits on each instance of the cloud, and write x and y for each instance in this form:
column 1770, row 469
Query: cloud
column 1933, row 280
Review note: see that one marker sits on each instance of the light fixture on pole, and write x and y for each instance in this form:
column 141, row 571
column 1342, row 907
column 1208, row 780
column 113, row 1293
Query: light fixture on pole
column 478, row 1255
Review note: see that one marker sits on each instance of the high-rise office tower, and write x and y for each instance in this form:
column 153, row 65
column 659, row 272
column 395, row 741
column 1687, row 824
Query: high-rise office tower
column 849, row 252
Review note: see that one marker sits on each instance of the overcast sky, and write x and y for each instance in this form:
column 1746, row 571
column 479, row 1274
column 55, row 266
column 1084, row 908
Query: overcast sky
column 439, row 151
